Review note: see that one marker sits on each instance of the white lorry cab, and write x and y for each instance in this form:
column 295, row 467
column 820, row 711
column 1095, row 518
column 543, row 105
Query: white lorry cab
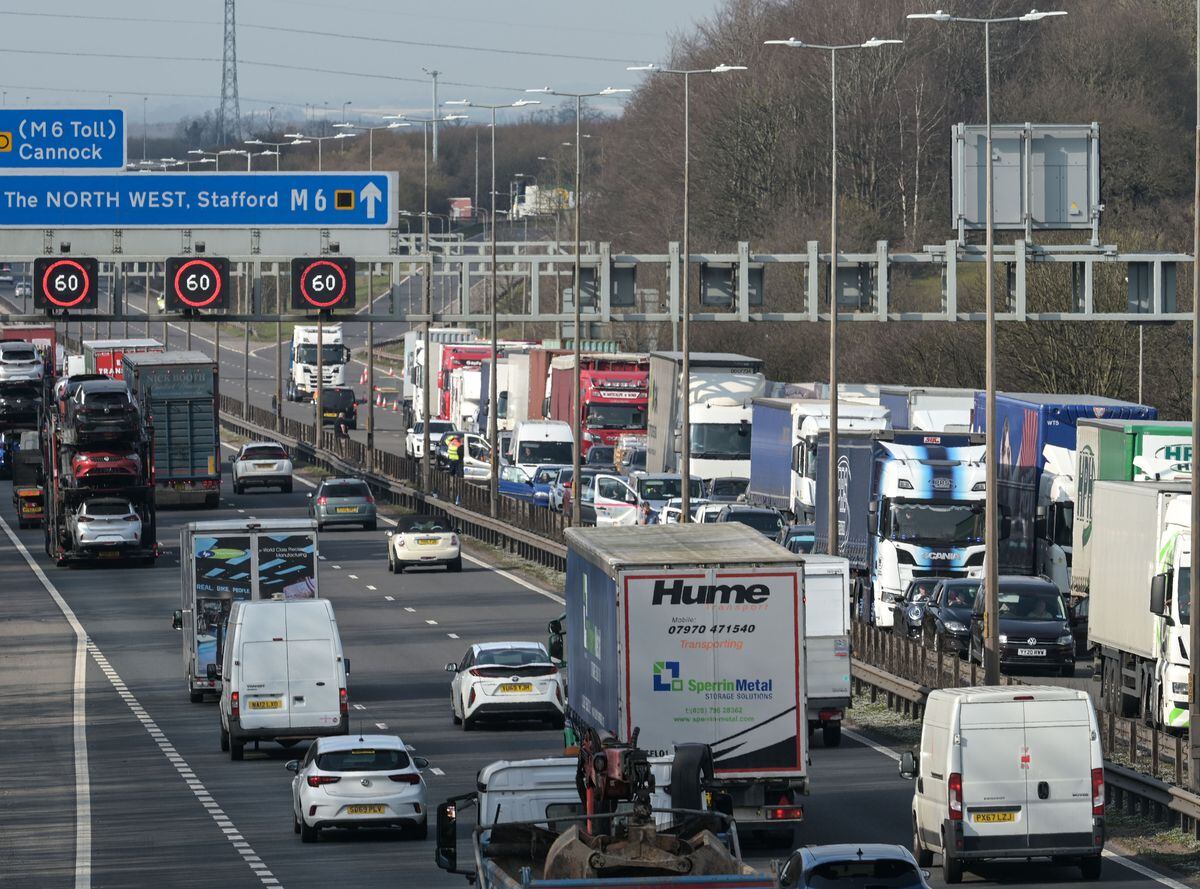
column 283, row 674
column 302, row 360
column 1007, row 772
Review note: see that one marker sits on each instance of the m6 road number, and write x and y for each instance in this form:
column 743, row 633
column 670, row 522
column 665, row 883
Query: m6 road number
column 300, row 199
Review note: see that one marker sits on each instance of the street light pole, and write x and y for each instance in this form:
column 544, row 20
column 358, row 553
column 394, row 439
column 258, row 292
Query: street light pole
column 576, row 407
column 493, row 386
column 685, row 296
column 991, row 559
column 831, row 492
column 1194, row 628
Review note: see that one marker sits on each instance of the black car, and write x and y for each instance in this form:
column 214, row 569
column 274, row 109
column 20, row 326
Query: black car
column 948, row 614
column 1035, row 629
column 908, row 611
column 19, row 404
column 603, row 456
column 760, row 519
column 102, row 410
column 336, row 400
column 727, row 490
column 799, row 539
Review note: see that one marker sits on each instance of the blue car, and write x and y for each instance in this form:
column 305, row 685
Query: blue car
column 515, row 482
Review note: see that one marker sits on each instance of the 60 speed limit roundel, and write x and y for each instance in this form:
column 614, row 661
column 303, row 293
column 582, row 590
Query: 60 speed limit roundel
column 197, row 282
column 322, row 283
column 65, row 282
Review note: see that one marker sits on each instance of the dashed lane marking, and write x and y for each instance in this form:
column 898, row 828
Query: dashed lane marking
column 432, row 623
column 359, row 707
column 436, row 771
column 381, row 725
column 390, row 598
column 452, row 635
column 351, row 576
column 410, row 610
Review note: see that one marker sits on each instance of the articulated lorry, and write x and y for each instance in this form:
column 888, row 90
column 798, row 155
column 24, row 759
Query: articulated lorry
column 910, row 505
column 302, row 360
column 1138, row 598
column 613, row 388
column 1114, row 450
column 177, row 393
column 234, row 560
column 1036, row 462
column 721, row 393
column 695, row 633
column 783, row 452
column 929, row 409
column 106, row 356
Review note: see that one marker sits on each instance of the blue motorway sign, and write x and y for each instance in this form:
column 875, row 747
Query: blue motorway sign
column 199, row 200
column 56, row 138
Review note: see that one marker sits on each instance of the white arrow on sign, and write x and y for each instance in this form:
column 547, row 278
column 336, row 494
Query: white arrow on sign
column 369, row 195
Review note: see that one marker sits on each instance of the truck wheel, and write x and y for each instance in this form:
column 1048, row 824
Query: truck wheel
column 831, row 734
column 924, row 856
column 309, row 834
column 197, row 697
column 1090, row 867
column 952, row 869
column 224, row 740
column 236, row 750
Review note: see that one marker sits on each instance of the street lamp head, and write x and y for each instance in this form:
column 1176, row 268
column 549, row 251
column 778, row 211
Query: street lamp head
column 344, row 136
column 463, row 102
column 300, row 142
column 342, row 125
column 541, row 89
column 521, row 103
column 453, row 117
column 195, row 151
column 791, row 41
column 395, row 125
column 207, row 160
column 393, row 117
column 650, row 67
column 722, row 68
column 254, row 142
column 1034, row 16
column 875, row 41
column 293, row 135
column 612, row 91
column 938, row 16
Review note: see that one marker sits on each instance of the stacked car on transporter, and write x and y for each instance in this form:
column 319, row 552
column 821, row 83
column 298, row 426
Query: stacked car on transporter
column 99, row 468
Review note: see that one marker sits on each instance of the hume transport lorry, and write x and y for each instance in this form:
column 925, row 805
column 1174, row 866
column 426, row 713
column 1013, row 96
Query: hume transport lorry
column 1138, row 592
column 910, row 505
column 229, row 561
column 695, row 633
column 177, row 393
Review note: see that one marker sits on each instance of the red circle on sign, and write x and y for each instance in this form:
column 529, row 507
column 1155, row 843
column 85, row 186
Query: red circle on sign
column 87, row 283
column 304, row 284
column 216, row 277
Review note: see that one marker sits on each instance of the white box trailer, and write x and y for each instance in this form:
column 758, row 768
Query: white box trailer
column 695, row 633
column 827, row 644
column 229, row 561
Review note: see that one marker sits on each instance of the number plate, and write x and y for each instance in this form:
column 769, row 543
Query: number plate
column 366, row 810
column 109, row 554
column 428, row 541
column 265, row 705
column 347, row 509
column 993, row 817
column 1031, row 652
column 513, row 688
column 264, row 465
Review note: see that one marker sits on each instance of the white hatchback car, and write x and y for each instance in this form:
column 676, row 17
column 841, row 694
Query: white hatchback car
column 506, row 680
column 263, row 464
column 423, row 540
column 20, row 362
column 104, row 523
column 414, row 439
column 358, row 781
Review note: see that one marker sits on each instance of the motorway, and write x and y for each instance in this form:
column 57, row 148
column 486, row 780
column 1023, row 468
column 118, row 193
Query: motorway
column 109, row 777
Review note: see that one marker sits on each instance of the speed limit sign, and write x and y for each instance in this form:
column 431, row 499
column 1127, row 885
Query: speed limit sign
column 197, row 282
column 65, row 282
column 322, row 283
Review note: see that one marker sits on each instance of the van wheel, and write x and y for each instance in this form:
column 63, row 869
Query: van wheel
column 224, row 740
column 236, row 750
column 1090, row 867
column 831, row 734
column 924, row 856
column 308, row 834
column 952, row 869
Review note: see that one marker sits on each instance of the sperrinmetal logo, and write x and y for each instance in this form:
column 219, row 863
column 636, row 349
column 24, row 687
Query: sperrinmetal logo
column 666, row 676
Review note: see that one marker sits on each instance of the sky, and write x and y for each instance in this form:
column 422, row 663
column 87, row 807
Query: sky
column 80, row 53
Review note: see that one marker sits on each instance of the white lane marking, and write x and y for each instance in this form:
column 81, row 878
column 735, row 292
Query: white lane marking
column 351, row 576
column 359, row 707
column 436, row 771
column 83, row 836
column 83, row 791
column 410, row 610
column 452, row 635
column 1134, row 866
column 390, row 598
column 520, row 581
column 381, row 725
column 370, row 587
column 338, row 567
column 432, row 623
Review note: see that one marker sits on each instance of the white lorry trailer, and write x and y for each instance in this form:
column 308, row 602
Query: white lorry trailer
column 827, row 644
column 229, row 561
column 1138, row 591
column 695, row 634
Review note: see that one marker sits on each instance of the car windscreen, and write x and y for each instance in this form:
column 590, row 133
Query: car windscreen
column 344, row 490
column 510, row 657
column 801, row 543
column 437, row 427
column 19, row 393
column 264, row 453
column 766, row 522
column 422, row 525
column 544, row 452
column 545, row 475
column 102, row 508
column 601, row 454
column 960, row 595
column 728, row 487
column 366, row 759
column 636, row 459
column 919, row 590
column 105, row 399
column 667, row 488
column 18, row 354
column 864, row 874
column 1031, row 605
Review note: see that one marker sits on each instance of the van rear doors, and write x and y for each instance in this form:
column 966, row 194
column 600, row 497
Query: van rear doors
column 313, row 680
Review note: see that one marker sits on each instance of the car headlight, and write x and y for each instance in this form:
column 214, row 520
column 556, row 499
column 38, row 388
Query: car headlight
column 1003, row 639
column 955, row 626
column 914, row 613
column 1066, row 639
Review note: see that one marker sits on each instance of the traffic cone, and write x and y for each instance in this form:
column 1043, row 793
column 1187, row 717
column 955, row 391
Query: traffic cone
column 362, row 380
column 396, row 406
column 391, row 371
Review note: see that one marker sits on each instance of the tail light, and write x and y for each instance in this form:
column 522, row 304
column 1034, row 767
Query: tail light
column 321, row 501
column 558, row 692
column 400, row 540
column 370, row 498
column 83, row 518
column 471, row 698
column 318, row 780
column 343, row 702
column 405, row 778
column 1098, row 792
column 132, row 517
column 454, row 540
column 954, row 795
column 235, row 705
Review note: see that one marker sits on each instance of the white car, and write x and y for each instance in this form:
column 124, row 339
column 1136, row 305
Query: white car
column 105, row 523
column 20, row 362
column 263, row 464
column 414, row 440
column 514, row 680
column 423, row 540
column 358, row 781
column 22, row 290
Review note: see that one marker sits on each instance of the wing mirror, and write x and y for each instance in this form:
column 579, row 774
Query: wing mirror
column 452, row 667
column 212, row 672
column 908, row 765
column 446, row 849
column 420, row 762
column 293, row 766
column 177, row 620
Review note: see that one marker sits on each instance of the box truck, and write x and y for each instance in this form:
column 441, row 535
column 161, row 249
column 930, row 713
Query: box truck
column 695, row 633
column 229, row 561
column 105, row 356
column 1138, row 598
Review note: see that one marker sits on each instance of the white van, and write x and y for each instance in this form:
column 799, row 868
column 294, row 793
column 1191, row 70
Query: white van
column 1008, row 772
column 283, row 674
column 538, row 442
